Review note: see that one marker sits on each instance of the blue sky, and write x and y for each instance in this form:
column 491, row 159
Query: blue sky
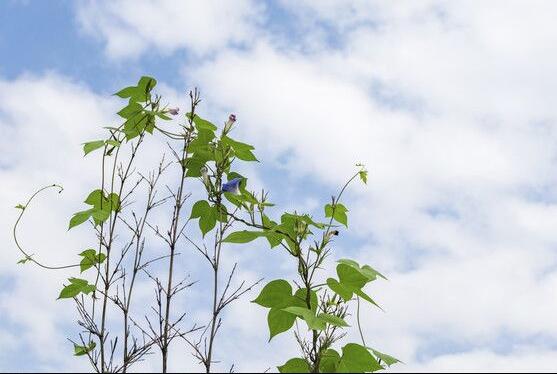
column 449, row 104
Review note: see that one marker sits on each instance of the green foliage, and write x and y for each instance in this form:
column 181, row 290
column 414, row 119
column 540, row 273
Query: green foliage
column 244, row 236
column 90, row 258
column 279, row 321
column 337, row 212
column 91, row 146
column 207, row 215
column 386, row 359
column 102, row 207
column 294, row 365
column 352, row 278
column 24, row 260
column 96, row 144
column 209, row 154
column 357, row 359
column 241, row 150
column 81, row 350
column 330, row 360
column 139, row 93
column 76, row 287
column 276, row 294
column 202, row 124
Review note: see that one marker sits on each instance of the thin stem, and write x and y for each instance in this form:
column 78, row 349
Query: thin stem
column 29, row 257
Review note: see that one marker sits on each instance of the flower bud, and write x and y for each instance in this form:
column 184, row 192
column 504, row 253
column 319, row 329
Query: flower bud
column 205, row 176
column 228, row 124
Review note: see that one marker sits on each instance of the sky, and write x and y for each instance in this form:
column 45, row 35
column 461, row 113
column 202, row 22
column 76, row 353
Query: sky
column 450, row 104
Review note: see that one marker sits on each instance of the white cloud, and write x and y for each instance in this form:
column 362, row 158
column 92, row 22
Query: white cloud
column 131, row 27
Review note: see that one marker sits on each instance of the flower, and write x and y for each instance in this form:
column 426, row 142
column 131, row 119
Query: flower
column 232, row 186
column 174, row 111
column 204, row 175
column 228, row 124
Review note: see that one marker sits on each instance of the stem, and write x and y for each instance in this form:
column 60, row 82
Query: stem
column 29, row 257
column 216, row 310
column 174, row 235
column 112, row 226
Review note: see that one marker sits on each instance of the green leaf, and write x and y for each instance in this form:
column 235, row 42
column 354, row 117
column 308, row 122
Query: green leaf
column 76, row 287
column 371, row 272
column 357, row 359
column 338, row 212
column 90, row 259
column 242, row 151
column 146, row 83
column 329, row 361
column 114, row 201
column 207, row 215
column 114, row 143
column 333, row 320
column 364, row 296
column 162, row 115
column 276, row 294
column 363, row 176
column 100, row 215
column 199, row 209
column 20, row 206
column 388, row 360
column 194, row 165
column 81, row 350
column 208, row 221
column 234, row 199
column 96, row 199
column 295, row 365
column 222, row 213
column 126, row 92
column 313, row 322
column 80, row 217
column 150, row 123
column 300, row 296
column 24, row 260
column 243, row 236
column 279, row 321
column 245, row 155
column 339, row 289
column 202, row 124
column 135, row 125
column 133, row 109
column 91, row 146
column 139, row 93
column 351, row 277
column 366, row 270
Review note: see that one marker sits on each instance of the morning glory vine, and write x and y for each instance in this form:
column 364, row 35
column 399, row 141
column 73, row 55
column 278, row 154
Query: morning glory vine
column 116, row 331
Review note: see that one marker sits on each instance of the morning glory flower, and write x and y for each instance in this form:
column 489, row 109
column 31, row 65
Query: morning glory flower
column 174, row 111
column 228, row 124
column 232, row 186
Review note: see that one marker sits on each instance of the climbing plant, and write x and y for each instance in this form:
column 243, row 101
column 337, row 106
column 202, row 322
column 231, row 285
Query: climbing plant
column 115, row 331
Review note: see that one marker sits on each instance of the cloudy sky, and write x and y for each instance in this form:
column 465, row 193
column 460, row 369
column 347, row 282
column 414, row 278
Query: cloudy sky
column 450, row 104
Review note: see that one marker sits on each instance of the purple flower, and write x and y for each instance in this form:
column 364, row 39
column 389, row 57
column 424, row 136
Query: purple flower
column 174, row 111
column 228, row 124
column 232, row 186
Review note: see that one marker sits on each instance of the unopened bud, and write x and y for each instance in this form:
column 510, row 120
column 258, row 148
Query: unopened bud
column 228, row 124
